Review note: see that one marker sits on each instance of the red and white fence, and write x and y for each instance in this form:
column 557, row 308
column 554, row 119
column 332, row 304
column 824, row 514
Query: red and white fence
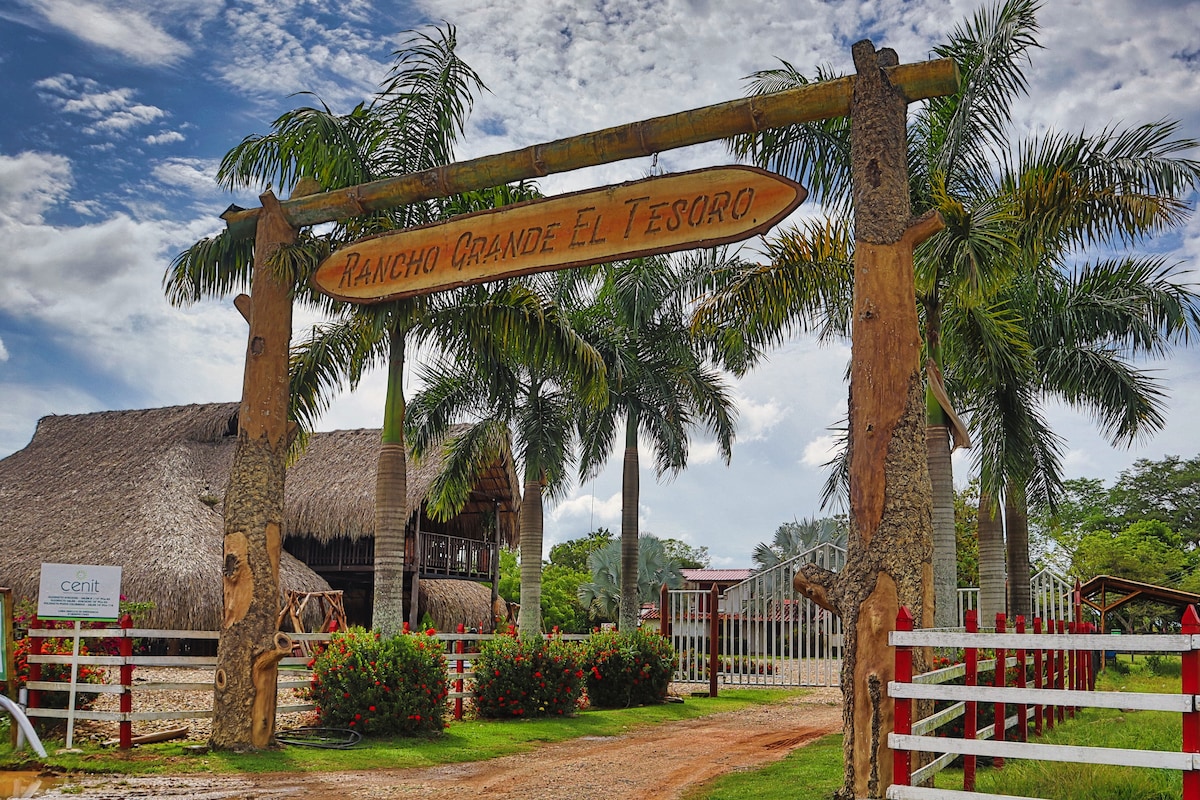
column 1061, row 662
column 462, row 649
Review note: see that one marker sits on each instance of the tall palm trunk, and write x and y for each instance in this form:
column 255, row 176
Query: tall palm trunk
column 1016, row 529
column 391, row 501
column 630, row 488
column 991, row 560
column 941, row 476
column 530, row 619
column 945, row 557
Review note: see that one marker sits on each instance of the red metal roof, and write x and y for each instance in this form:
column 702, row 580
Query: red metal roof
column 712, row 575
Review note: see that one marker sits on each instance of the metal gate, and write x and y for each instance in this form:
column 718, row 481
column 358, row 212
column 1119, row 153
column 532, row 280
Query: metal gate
column 766, row 634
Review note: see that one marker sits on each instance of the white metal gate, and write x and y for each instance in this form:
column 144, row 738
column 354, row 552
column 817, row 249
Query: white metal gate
column 767, row 635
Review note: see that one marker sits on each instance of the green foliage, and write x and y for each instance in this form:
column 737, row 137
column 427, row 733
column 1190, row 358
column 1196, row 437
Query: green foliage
column 380, row 686
column 561, row 607
column 1166, row 490
column 799, row 536
column 573, row 553
column 1146, row 551
column 966, row 534
column 527, row 677
column 602, row 595
column 685, row 555
column 628, row 668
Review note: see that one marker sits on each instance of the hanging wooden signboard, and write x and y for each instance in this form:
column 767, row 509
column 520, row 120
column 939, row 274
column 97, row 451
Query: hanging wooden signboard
column 683, row 211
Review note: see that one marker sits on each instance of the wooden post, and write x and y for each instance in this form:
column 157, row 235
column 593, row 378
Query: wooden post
column 889, row 558
column 969, row 720
column 8, row 653
column 1191, row 719
column 251, row 645
column 998, row 675
column 714, row 648
column 902, row 759
column 125, row 645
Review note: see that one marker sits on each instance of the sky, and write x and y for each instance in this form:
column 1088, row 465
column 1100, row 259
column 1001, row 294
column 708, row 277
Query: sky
column 114, row 115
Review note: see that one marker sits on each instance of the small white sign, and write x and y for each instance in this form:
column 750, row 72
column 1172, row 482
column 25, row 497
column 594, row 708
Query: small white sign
column 79, row 591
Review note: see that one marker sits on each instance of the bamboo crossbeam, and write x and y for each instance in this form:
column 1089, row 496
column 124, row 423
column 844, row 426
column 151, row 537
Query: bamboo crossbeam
column 810, row 103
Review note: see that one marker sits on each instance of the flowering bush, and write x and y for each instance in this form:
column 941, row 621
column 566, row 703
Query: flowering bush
column 517, row 677
column 57, row 672
column 380, row 686
column 628, row 669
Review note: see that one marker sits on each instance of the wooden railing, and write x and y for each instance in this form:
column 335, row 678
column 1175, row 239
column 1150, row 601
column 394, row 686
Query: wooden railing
column 456, row 557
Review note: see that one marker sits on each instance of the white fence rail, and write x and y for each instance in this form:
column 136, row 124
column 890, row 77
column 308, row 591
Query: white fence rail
column 1063, row 681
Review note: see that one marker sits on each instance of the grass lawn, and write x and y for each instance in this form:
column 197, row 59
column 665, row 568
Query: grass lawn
column 470, row 740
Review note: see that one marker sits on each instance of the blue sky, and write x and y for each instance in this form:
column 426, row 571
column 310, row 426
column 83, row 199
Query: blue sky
column 116, row 114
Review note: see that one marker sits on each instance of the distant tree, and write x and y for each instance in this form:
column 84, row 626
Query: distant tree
column 602, row 594
column 1166, row 490
column 560, row 604
column 687, row 556
column 1147, row 551
column 799, row 536
column 573, row 553
column 966, row 534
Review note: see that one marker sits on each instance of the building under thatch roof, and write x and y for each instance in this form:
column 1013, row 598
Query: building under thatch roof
column 137, row 489
column 144, row 490
column 330, row 523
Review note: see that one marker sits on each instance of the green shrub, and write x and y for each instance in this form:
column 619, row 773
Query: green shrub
column 628, row 669
column 516, row 677
column 380, row 686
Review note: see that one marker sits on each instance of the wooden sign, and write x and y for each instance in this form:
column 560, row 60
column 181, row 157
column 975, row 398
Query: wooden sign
column 683, row 211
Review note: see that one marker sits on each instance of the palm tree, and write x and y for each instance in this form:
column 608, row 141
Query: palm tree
column 655, row 569
column 1084, row 329
column 1073, row 190
column 798, row 537
column 412, row 124
column 533, row 389
column 662, row 383
column 949, row 138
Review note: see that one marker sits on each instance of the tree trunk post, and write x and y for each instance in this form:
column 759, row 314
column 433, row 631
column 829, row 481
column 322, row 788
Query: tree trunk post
column 889, row 552
column 251, row 645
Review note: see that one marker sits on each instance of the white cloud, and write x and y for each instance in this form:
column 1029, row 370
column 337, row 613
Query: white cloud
column 166, row 137
column 3, row 352
column 132, row 33
column 31, row 183
column 111, row 110
column 819, row 451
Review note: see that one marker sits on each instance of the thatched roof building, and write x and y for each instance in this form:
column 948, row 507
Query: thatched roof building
column 141, row 490
column 145, row 489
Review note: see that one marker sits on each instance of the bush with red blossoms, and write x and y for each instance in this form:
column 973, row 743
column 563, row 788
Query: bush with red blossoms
column 380, row 686
column 627, row 669
column 516, row 677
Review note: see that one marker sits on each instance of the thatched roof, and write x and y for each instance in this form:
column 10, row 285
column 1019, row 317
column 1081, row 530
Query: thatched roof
column 331, row 489
column 144, row 490
column 450, row 602
column 137, row 489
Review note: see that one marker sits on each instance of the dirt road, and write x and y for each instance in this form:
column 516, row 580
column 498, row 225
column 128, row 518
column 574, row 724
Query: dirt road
column 658, row 762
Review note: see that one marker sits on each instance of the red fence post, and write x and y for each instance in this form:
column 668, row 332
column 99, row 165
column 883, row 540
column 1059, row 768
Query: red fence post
column 714, row 633
column 1000, row 711
column 35, row 670
column 1191, row 719
column 1037, row 679
column 1022, row 709
column 902, row 759
column 458, row 670
column 664, row 600
column 1072, row 666
column 1060, row 673
column 969, row 723
column 125, row 646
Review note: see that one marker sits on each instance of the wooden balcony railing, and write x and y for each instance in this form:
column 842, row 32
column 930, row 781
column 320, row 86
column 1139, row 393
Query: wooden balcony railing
column 444, row 556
